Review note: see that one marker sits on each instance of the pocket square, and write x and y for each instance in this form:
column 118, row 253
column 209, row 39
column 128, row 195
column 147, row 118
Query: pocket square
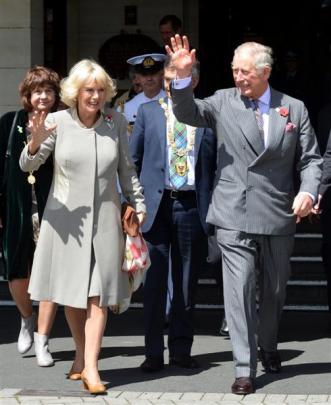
column 290, row 127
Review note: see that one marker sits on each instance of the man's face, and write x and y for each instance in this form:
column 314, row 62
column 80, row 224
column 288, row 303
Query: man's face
column 166, row 32
column 151, row 83
column 169, row 74
column 136, row 83
column 251, row 82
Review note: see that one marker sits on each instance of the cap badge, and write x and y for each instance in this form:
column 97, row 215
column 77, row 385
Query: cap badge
column 148, row 62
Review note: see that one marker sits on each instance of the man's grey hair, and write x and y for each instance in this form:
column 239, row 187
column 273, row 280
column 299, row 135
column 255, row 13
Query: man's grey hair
column 262, row 54
column 195, row 67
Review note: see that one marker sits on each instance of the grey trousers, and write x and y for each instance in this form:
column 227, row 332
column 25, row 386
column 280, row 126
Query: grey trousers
column 252, row 261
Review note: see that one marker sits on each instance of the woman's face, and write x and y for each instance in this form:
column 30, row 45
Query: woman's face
column 91, row 97
column 42, row 98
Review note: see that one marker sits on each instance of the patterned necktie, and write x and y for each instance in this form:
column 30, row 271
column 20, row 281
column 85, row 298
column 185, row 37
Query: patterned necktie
column 259, row 118
column 178, row 161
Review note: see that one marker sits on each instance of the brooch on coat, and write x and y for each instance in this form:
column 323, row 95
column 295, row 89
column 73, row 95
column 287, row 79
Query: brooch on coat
column 109, row 121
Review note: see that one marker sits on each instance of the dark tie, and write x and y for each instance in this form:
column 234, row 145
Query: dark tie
column 259, row 118
column 178, row 162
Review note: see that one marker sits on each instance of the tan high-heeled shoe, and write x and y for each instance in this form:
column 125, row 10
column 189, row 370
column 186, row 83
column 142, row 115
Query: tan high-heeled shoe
column 74, row 375
column 98, row 388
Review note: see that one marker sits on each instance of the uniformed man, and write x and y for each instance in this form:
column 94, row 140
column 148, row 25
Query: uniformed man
column 150, row 69
column 131, row 92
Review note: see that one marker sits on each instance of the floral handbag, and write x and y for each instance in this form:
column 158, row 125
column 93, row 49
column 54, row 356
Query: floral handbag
column 136, row 259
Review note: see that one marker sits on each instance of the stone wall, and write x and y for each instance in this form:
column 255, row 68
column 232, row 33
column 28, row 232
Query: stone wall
column 89, row 24
column 21, row 46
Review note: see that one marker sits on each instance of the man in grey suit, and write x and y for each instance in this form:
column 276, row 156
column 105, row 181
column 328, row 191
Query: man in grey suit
column 263, row 137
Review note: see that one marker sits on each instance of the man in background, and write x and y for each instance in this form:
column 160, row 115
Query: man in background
column 149, row 67
column 176, row 164
column 169, row 26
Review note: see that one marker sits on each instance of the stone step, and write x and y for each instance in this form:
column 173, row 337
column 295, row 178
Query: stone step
column 299, row 292
column 303, row 268
column 305, row 226
column 307, row 268
column 307, row 244
column 312, row 294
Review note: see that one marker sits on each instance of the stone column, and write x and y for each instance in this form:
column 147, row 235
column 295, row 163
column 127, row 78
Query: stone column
column 21, row 46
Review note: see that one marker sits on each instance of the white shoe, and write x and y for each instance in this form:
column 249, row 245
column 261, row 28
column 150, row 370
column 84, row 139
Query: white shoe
column 25, row 338
column 44, row 357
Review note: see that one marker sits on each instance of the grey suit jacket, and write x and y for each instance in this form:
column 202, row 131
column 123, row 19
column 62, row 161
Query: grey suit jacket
column 254, row 188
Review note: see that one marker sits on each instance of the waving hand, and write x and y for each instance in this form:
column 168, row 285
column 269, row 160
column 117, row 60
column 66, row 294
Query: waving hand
column 181, row 57
column 38, row 130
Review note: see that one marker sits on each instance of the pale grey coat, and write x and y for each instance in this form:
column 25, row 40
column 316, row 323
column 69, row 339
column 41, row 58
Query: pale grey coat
column 83, row 211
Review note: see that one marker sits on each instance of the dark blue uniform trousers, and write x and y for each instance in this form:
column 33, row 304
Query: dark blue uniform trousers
column 177, row 234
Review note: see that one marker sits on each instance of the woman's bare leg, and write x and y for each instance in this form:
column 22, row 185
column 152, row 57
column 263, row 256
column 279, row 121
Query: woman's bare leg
column 94, row 330
column 76, row 319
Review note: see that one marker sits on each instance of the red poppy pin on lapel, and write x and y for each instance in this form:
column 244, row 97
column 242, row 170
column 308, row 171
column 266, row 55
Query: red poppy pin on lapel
column 283, row 111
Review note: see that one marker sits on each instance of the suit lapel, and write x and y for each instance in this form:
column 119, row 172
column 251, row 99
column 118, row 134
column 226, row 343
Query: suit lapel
column 197, row 143
column 161, row 127
column 277, row 122
column 246, row 120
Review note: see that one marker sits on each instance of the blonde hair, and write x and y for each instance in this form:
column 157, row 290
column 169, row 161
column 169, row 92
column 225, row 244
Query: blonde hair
column 79, row 74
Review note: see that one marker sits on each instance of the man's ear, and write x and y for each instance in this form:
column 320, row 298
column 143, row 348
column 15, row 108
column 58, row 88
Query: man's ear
column 195, row 81
column 266, row 73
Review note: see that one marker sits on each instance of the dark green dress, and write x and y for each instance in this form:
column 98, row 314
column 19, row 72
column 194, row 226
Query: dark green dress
column 16, row 199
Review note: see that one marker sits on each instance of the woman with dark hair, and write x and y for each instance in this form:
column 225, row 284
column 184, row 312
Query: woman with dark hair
column 23, row 198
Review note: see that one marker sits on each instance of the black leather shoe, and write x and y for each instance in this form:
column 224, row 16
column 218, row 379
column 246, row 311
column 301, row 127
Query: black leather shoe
column 243, row 386
column 270, row 361
column 185, row 361
column 152, row 364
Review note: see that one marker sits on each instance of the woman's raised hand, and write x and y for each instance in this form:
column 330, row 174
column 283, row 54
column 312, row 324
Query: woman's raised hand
column 38, row 130
column 181, row 56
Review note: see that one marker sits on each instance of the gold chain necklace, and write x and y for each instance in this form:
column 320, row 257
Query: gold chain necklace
column 170, row 133
column 31, row 178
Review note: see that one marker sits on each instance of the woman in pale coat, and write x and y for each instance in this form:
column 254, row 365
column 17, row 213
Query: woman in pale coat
column 81, row 240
